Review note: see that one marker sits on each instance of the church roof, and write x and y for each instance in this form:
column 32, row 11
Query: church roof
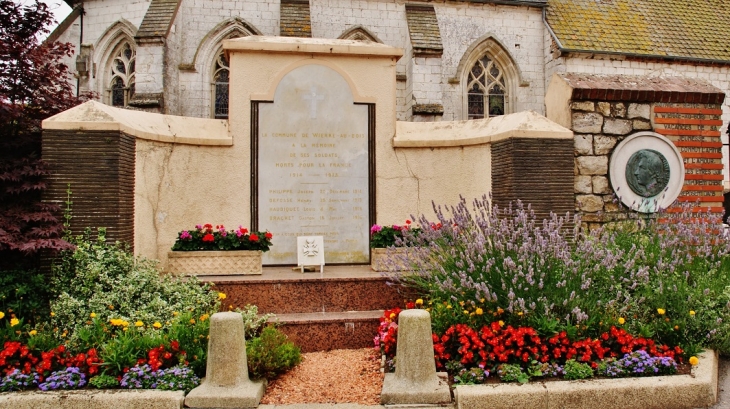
column 672, row 29
column 158, row 19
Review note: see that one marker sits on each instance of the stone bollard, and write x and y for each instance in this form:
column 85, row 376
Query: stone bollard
column 415, row 380
column 226, row 384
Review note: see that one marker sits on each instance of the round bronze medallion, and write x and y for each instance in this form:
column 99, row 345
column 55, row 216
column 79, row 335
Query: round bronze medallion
column 647, row 172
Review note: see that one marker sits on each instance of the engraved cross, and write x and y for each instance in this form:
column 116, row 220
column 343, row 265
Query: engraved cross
column 313, row 98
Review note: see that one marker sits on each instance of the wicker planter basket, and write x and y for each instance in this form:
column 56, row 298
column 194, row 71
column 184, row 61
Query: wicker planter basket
column 401, row 255
column 201, row 263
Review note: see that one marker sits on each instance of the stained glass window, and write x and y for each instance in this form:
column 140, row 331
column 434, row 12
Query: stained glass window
column 121, row 85
column 220, row 87
column 486, row 89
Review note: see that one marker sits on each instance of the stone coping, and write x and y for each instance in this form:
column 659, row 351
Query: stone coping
column 95, row 116
column 526, row 124
column 97, row 399
column 676, row 391
column 311, row 45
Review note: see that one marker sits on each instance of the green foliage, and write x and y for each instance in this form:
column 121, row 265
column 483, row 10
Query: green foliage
column 26, row 293
column 271, row 354
column 108, row 281
column 577, row 370
column 512, row 373
column 104, row 382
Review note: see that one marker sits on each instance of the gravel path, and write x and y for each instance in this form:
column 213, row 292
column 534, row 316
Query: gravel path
column 339, row 376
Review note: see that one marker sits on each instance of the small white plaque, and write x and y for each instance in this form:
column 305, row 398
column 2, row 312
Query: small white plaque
column 310, row 252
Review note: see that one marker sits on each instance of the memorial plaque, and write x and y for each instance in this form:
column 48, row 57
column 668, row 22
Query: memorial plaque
column 312, row 167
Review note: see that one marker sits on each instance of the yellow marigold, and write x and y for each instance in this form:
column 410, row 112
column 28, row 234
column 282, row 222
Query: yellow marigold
column 204, row 317
column 53, row 314
column 691, row 313
column 676, row 327
column 221, row 296
column 501, row 323
column 175, row 313
column 111, row 307
column 124, row 329
column 392, row 315
column 693, row 360
column 661, row 311
column 115, row 321
column 125, row 323
column 139, row 324
column 14, row 322
column 466, row 312
column 2, row 315
column 461, row 303
column 157, row 325
column 92, row 315
column 621, row 321
column 448, row 306
column 520, row 313
column 482, row 301
column 419, row 302
column 499, row 310
column 33, row 332
column 192, row 320
column 479, row 311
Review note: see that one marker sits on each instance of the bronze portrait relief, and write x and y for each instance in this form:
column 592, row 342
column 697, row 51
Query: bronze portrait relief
column 647, row 172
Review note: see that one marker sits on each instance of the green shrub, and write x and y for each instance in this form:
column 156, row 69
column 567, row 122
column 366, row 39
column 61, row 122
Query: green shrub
column 512, row 373
column 108, row 281
column 104, row 382
column 271, row 354
column 26, row 293
column 576, row 370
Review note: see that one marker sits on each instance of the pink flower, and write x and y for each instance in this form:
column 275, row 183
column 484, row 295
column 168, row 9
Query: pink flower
column 375, row 229
column 199, row 227
column 185, row 235
column 238, row 233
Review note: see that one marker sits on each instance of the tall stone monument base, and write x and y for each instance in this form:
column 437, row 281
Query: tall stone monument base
column 415, row 380
column 226, row 384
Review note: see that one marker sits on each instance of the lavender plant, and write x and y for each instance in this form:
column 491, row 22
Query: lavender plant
column 17, row 381
column 666, row 277
column 69, row 378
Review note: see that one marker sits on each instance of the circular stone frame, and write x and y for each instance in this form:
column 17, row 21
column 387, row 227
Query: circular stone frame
column 617, row 171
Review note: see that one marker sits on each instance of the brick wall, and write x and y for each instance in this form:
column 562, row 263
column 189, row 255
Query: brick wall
column 99, row 167
column 537, row 171
column 607, row 109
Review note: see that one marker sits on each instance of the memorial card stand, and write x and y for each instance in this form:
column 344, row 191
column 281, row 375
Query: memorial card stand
column 310, row 252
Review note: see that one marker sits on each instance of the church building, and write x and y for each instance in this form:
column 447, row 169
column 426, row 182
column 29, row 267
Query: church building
column 462, row 60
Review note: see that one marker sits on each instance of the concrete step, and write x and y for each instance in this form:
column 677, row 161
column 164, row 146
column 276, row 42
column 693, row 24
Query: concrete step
column 330, row 330
column 280, row 290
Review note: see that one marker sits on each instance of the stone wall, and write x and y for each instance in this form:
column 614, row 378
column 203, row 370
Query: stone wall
column 604, row 110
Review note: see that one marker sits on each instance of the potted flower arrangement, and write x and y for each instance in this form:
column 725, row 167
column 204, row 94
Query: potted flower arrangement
column 206, row 250
column 392, row 246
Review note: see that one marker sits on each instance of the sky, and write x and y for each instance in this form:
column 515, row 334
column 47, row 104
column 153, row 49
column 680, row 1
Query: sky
column 59, row 8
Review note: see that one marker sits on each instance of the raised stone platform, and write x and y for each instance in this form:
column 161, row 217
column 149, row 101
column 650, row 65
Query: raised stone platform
column 339, row 309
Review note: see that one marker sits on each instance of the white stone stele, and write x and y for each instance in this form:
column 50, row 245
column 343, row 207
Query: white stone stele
column 617, row 171
column 310, row 252
column 313, row 168
column 226, row 384
column 415, row 380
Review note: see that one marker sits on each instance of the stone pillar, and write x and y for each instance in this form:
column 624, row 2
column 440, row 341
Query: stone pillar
column 415, row 380
column 226, row 384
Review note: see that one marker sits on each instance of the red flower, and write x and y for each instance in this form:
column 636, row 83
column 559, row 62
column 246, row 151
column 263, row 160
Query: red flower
column 208, row 238
column 268, row 235
column 253, row 237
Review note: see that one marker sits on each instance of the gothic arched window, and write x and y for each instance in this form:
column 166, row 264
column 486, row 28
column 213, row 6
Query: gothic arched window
column 121, row 85
column 486, row 95
column 220, row 87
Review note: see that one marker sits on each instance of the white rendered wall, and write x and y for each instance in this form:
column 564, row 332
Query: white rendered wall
column 519, row 29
